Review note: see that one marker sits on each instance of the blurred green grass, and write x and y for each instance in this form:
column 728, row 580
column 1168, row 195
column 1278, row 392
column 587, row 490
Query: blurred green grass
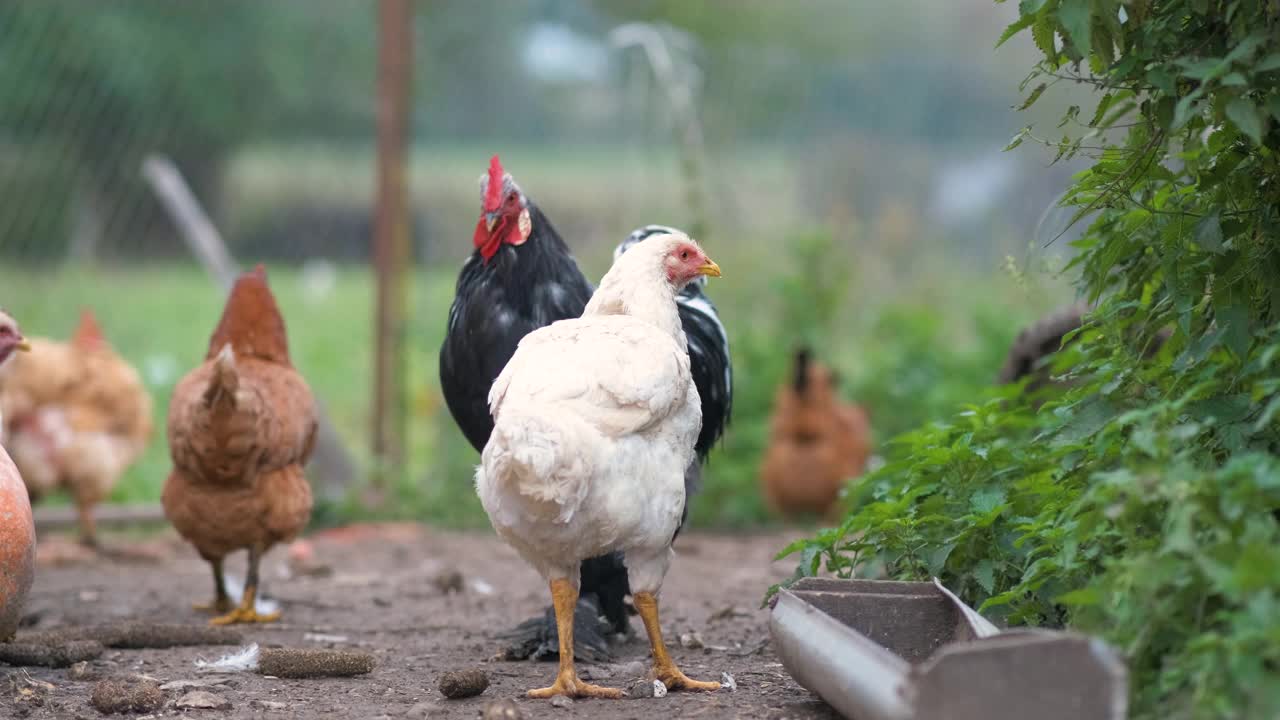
column 910, row 347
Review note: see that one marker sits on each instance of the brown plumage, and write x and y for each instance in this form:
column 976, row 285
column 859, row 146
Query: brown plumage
column 77, row 416
column 1043, row 338
column 241, row 427
column 817, row 444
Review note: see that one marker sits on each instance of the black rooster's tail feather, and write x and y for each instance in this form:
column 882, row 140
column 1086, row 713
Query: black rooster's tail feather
column 537, row 638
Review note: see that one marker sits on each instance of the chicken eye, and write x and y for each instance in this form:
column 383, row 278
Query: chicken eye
column 684, row 254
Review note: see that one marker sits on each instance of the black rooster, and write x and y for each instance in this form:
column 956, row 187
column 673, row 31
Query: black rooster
column 521, row 277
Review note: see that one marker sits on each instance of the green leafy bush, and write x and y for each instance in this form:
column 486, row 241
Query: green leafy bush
column 1142, row 502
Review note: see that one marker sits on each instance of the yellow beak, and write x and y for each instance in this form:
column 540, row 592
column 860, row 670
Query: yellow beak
column 24, row 346
column 490, row 219
column 711, row 269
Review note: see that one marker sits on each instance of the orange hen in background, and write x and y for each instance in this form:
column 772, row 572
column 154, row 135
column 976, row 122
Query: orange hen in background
column 241, row 427
column 817, row 444
column 76, row 417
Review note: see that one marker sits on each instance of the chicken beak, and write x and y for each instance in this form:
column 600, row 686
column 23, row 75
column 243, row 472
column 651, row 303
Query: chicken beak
column 23, row 345
column 490, row 219
column 709, row 268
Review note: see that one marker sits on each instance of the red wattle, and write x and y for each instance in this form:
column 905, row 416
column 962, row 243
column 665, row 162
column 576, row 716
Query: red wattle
column 486, row 241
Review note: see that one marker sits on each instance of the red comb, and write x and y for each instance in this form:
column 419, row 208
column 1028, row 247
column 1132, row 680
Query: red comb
column 493, row 195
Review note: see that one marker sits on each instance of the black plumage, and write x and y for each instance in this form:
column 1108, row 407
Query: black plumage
column 520, row 289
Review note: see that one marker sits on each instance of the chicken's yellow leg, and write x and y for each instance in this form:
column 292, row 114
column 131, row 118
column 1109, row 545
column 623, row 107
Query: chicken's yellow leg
column 247, row 612
column 221, row 602
column 565, row 598
column 663, row 668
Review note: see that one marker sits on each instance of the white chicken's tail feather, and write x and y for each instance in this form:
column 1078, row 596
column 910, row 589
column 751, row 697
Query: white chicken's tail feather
column 547, row 461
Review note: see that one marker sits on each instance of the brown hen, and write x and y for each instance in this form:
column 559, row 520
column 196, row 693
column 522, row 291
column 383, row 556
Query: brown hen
column 241, row 427
column 817, row 444
column 77, row 416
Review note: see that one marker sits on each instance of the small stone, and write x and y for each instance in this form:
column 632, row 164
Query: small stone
column 125, row 696
column 449, row 581
column 81, row 672
column 268, row 705
column 692, row 641
column 423, row 710
column 727, row 682
column 202, row 700
column 564, row 702
column 646, row 689
column 463, row 683
column 503, row 709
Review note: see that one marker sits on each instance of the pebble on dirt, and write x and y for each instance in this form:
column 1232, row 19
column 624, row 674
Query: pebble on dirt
column 564, row 702
column 727, row 682
column 81, row 672
column 202, row 700
column 647, row 689
column 501, row 710
column 311, row 663
column 126, row 696
column 467, row 683
column 54, row 655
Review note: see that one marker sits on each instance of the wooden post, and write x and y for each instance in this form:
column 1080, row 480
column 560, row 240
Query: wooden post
column 391, row 236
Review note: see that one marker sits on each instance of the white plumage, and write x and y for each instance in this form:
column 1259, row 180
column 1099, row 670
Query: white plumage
column 595, row 421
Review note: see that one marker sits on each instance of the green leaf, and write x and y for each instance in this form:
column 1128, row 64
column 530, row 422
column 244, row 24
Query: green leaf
column 1186, row 109
column 1208, row 234
column 1246, row 117
column 986, row 500
column 1103, row 104
column 1076, row 20
column 1231, row 310
column 1081, row 597
column 984, row 573
column 1035, row 95
column 1017, row 26
column 1268, row 63
column 1043, row 34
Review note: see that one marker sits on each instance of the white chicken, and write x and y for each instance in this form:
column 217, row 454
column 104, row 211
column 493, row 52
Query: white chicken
column 595, row 420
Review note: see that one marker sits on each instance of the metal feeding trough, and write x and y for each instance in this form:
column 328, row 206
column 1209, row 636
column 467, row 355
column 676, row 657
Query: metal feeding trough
column 879, row 650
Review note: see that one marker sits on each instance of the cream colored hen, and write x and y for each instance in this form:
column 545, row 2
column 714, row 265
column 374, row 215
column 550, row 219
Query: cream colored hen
column 595, row 420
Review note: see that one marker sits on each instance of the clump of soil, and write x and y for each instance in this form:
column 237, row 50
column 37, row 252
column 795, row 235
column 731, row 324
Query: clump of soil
column 126, row 696
column 463, row 683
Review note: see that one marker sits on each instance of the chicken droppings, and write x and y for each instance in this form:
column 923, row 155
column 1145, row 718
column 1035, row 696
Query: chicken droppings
column 311, row 663
column 463, row 683
column 126, row 696
column 54, row 655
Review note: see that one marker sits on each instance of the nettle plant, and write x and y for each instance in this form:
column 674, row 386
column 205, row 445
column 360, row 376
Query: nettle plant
column 1141, row 502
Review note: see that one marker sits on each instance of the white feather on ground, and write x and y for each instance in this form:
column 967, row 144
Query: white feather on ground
column 245, row 660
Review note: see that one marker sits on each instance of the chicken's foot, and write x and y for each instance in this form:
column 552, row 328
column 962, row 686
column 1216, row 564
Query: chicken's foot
column 664, row 668
column 247, row 612
column 565, row 597
column 88, row 526
column 221, row 601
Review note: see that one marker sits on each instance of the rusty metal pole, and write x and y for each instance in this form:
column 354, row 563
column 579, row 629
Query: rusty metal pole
column 391, row 237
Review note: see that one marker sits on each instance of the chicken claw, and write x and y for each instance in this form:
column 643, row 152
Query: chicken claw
column 568, row 683
column 245, row 615
column 664, row 668
column 565, row 598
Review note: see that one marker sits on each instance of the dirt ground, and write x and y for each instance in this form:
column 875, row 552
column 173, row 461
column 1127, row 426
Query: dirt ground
column 386, row 589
